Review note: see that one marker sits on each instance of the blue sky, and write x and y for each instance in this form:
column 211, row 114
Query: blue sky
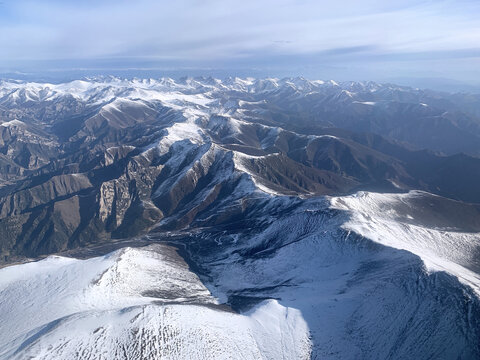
column 368, row 39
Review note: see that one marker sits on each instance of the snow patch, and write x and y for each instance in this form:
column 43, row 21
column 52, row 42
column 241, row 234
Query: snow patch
column 14, row 122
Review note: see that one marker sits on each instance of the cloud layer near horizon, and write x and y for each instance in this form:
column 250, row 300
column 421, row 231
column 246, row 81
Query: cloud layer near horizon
column 412, row 36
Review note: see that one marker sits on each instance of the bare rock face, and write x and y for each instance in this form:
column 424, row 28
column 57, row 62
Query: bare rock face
column 114, row 200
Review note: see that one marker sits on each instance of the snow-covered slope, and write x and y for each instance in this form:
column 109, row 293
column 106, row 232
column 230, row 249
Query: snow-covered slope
column 363, row 297
column 135, row 303
column 393, row 220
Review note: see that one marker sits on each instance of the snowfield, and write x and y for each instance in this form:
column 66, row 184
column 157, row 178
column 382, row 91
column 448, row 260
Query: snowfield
column 135, row 303
column 377, row 217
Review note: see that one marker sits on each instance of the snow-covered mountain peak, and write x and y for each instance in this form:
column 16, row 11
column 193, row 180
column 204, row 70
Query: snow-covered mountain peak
column 135, row 296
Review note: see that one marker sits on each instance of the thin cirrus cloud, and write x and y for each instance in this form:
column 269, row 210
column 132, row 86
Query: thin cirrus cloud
column 349, row 34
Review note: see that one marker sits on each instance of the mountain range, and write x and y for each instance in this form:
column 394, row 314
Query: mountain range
column 238, row 218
